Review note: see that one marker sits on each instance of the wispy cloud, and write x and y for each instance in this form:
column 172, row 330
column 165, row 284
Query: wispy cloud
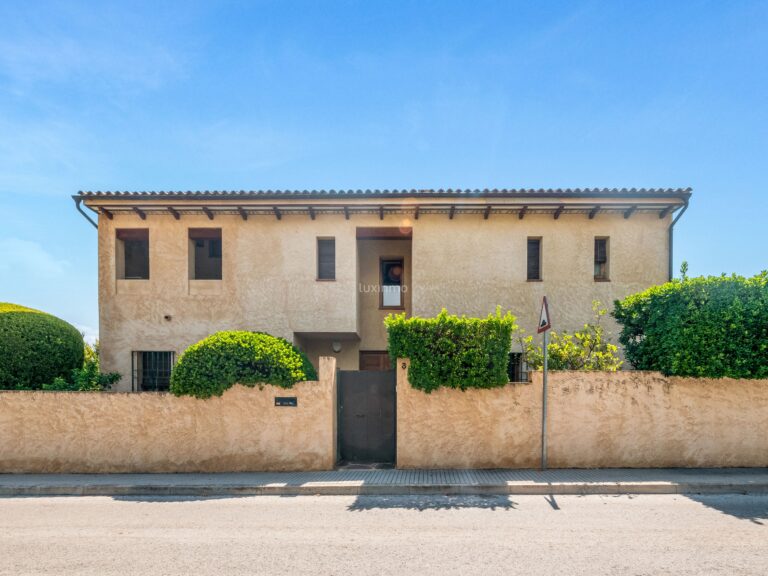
column 29, row 259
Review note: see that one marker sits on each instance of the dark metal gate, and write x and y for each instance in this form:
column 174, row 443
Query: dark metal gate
column 366, row 416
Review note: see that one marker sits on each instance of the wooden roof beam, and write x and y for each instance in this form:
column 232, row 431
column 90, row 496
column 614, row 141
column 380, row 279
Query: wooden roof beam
column 106, row 213
column 628, row 212
column 140, row 212
column 208, row 212
column 522, row 212
column 559, row 211
column 593, row 212
column 242, row 212
column 664, row 212
column 174, row 212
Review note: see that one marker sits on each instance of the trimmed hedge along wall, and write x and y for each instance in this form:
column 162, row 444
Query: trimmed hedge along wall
column 36, row 348
column 453, row 351
column 708, row 327
column 227, row 358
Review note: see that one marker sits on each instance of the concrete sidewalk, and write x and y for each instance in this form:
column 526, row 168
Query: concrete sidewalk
column 394, row 482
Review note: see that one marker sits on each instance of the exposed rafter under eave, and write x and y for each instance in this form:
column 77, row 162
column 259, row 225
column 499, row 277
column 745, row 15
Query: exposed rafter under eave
column 453, row 210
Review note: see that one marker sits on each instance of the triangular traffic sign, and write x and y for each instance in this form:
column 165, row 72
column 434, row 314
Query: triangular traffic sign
column 544, row 321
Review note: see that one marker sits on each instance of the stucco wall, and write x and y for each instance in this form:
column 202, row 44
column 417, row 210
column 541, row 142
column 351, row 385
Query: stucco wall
column 470, row 265
column 623, row 419
column 466, row 264
column 50, row 432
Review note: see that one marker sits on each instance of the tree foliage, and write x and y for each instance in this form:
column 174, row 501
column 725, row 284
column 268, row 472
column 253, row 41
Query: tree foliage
column 226, row 358
column 453, row 351
column 707, row 327
column 585, row 349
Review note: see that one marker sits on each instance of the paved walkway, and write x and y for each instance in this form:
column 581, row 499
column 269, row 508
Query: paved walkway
column 390, row 482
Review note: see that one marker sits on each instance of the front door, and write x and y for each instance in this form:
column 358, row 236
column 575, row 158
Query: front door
column 366, row 416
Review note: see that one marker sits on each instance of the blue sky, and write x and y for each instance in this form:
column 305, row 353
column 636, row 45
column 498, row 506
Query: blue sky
column 246, row 95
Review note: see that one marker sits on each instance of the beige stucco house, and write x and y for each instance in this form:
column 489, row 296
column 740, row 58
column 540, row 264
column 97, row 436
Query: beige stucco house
column 323, row 268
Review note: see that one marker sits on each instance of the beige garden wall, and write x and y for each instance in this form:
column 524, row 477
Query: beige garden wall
column 243, row 430
column 597, row 419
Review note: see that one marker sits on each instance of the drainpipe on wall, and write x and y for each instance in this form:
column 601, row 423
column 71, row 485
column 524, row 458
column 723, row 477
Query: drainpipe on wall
column 78, row 200
column 671, row 236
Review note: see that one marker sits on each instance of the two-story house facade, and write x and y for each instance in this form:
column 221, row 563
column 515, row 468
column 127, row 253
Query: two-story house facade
column 324, row 268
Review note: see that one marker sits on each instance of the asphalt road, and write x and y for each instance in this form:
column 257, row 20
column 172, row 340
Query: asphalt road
column 385, row 535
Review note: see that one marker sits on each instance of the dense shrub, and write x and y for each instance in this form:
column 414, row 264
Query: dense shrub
column 36, row 348
column 707, row 327
column 585, row 349
column 88, row 378
column 218, row 362
column 452, row 351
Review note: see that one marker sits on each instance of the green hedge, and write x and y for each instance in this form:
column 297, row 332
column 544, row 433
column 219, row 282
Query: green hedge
column 453, row 351
column 706, row 327
column 36, row 348
column 218, row 362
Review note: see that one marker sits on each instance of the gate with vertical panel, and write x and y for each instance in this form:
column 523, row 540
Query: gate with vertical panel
column 366, row 424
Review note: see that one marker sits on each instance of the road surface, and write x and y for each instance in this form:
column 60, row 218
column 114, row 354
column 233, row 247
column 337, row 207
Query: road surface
column 567, row 535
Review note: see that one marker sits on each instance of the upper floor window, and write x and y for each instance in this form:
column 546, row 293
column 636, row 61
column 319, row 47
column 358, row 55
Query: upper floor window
column 205, row 254
column 326, row 259
column 534, row 258
column 132, row 253
column 601, row 259
column 392, row 276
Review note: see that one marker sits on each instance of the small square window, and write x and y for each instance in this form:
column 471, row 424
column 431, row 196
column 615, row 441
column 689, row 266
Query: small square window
column 132, row 253
column 205, row 253
column 151, row 371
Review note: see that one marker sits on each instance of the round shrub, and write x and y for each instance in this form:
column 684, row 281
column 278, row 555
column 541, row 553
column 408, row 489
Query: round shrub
column 233, row 357
column 36, row 348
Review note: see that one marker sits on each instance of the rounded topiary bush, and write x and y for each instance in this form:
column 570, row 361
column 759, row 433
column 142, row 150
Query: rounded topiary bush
column 36, row 348
column 233, row 357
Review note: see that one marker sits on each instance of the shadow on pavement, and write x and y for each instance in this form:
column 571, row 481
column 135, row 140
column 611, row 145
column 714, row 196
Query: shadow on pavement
column 431, row 502
column 743, row 506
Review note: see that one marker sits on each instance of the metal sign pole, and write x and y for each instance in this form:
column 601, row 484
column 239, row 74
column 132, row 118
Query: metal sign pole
column 544, row 411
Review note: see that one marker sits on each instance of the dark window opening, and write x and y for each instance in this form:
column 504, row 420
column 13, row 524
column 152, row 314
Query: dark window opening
column 326, row 259
column 392, row 275
column 534, row 258
column 151, row 371
column 601, row 258
column 205, row 253
column 132, row 250
column 517, row 369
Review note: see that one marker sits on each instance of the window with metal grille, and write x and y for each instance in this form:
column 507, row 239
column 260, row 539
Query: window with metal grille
column 205, row 253
column 517, row 369
column 151, row 371
column 601, row 258
column 534, row 258
column 132, row 253
column 326, row 258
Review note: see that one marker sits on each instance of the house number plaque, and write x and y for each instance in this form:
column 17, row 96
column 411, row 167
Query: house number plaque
column 286, row 401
